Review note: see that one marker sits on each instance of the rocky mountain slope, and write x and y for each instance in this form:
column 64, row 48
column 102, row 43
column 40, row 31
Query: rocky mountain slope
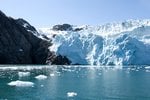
column 19, row 44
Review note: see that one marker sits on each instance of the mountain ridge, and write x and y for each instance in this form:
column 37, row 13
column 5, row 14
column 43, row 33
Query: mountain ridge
column 122, row 43
column 20, row 44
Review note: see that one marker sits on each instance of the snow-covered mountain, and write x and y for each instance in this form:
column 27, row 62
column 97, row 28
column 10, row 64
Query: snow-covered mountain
column 122, row 43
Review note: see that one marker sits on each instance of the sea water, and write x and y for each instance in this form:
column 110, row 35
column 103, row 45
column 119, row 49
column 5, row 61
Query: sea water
column 74, row 82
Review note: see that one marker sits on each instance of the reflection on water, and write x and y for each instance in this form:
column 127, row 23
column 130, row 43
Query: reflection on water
column 74, row 82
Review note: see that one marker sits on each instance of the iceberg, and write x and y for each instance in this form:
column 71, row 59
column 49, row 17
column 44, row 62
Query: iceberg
column 19, row 83
column 41, row 77
column 71, row 94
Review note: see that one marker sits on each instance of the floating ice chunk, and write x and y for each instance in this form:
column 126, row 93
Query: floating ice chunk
column 147, row 67
column 23, row 74
column 19, row 83
column 71, row 94
column 20, row 50
column 41, row 77
column 52, row 74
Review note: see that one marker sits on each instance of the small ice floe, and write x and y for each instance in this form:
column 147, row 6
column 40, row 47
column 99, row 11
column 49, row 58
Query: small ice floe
column 41, row 77
column 23, row 74
column 20, row 50
column 147, row 71
column 147, row 67
column 52, row 74
column 133, row 69
column 136, row 70
column 19, row 83
column 71, row 94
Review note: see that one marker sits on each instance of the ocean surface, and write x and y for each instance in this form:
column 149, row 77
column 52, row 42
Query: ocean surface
column 74, row 82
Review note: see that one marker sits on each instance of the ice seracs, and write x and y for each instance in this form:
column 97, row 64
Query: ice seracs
column 122, row 43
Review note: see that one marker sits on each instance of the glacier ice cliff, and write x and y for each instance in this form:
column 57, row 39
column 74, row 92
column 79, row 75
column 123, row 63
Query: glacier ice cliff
column 122, row 43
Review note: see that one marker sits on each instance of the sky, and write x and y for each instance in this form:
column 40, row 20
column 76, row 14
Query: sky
column 46, row 13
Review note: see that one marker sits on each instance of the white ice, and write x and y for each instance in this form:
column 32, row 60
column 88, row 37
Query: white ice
column 52, row 74
column 71, row 94
column 23, row 74
column 19, row 83
column 41, row 77
column 122, row 43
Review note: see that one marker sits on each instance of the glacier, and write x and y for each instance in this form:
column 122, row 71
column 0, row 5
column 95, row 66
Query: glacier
column 118, row 43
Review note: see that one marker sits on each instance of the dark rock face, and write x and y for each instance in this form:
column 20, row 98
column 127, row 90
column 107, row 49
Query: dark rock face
column 57, row 60
column 61, row 60
column 78, row 29
column 19, row 44
column 25, row 24
column 64, row 27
